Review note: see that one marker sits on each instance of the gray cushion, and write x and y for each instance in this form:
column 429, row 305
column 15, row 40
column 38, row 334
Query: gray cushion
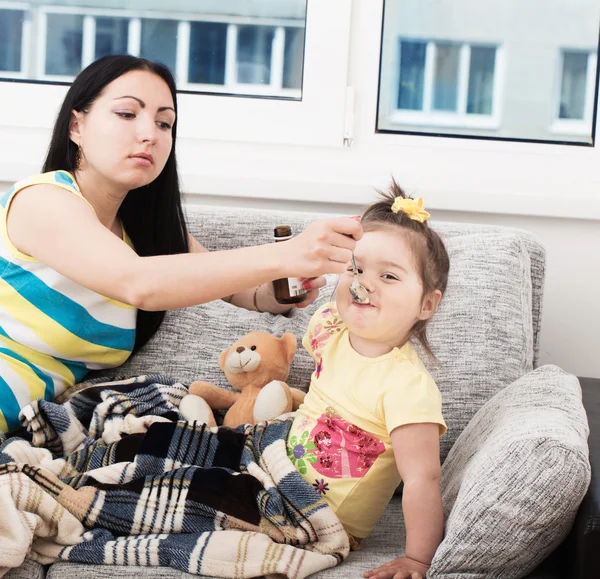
column 28, row 570
column 482, row 334
column 513, row 482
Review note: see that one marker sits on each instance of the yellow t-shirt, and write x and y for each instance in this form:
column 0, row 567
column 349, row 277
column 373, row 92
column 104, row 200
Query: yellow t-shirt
column 340, row 439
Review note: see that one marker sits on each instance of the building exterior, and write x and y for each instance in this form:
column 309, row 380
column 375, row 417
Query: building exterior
column 508, row 69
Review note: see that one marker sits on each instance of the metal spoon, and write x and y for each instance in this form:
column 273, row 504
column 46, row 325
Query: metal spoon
column 359, row 294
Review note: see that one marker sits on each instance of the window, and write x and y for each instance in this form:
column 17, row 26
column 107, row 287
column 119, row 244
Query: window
column 456, row 80
column 467, row 68
column 225, row 48
column 13, row 49
column 575, row 102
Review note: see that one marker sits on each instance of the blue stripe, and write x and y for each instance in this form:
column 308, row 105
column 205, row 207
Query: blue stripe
column 10, row 406
column 69, row 314
column 6, row 197
column 78, row 369
column 49, row 390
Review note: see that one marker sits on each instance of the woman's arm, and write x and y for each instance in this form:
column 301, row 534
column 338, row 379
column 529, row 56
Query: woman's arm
column 62, row 231
column 262, row 297
column 417, row 453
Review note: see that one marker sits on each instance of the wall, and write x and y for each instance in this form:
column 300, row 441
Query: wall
column 570, row 335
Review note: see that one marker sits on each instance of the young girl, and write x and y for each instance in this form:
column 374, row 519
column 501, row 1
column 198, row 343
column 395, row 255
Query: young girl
column 373, row 414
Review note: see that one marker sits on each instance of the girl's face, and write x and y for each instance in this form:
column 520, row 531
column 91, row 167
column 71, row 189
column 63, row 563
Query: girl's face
column 388, row 271
column 126, row 136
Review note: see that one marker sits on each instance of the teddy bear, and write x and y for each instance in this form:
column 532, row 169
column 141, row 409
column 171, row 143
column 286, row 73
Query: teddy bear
column 257, row 366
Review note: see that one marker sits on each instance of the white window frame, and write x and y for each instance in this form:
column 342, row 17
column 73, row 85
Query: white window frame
column 25, row 40
column 575, row 126
column 184, row 21
column 460, row 118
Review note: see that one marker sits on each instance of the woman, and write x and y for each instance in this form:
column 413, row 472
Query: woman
column 95, row 249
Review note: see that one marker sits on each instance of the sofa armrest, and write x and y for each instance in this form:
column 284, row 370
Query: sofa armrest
column 583, row 543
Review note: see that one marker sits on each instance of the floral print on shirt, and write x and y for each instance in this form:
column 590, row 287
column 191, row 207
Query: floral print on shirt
column 320, row 335
column 342, row 449
column 297, row 451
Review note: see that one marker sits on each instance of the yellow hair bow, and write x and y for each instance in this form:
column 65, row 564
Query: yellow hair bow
column 412, row 207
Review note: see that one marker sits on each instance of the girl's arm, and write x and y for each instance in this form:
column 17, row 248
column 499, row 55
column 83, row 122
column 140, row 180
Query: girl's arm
column 263, row 297
column 62, row 230
column 417, row 453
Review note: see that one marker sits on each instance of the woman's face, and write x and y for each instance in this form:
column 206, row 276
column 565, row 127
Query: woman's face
column 126, row 136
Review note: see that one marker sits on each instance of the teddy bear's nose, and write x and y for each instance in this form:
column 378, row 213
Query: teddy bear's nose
column 240, row 349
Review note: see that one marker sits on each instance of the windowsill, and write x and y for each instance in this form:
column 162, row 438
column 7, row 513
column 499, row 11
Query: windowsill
column 446, row 120
column 571, row 127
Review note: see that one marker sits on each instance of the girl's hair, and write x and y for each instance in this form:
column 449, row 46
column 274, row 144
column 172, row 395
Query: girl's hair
column 152, row 215
column 430, row 253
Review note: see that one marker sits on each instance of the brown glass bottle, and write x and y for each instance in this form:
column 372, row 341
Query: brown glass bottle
column 288, row 290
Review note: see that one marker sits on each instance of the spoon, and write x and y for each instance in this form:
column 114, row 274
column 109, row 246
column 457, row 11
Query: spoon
column 359, row 294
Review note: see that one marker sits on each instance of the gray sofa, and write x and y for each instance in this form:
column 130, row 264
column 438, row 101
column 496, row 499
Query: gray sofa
column 515, row 457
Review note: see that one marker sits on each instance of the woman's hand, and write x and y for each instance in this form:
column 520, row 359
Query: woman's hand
column 323, row 247
column 266, row 302
column 312, row 285
column 400, row 568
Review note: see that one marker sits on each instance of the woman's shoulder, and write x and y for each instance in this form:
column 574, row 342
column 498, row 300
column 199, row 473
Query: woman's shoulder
column 62, row 179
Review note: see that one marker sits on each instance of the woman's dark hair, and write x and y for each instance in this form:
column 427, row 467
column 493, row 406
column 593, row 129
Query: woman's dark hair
column 433, row 263
column 152, row 215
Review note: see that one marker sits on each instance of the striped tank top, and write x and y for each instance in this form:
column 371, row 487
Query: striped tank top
column 52, row 330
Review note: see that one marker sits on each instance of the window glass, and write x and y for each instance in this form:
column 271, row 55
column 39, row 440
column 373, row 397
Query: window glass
column 574, row 78
column 446, row 77
column 482, row 68
column 293, row 58
column 111, row 36
column 490, row 69
column 254, row 49
column 221, row 46
column 159, row 41
column 412, row 73
column 64, row 38
column 208, row 44
column 11, row 30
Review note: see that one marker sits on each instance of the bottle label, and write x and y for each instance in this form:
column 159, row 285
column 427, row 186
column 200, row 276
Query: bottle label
column 295, row 286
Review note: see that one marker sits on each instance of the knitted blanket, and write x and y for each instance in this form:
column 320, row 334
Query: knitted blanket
column 113, row 477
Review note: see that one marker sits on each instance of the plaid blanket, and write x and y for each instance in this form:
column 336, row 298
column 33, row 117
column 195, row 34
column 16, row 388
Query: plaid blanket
column 112, row 476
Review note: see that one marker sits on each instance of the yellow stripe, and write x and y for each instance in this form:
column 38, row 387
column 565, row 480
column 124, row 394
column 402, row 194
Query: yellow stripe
column 35, row 385
column 3, row 424
column 42, row 361
column 116, row 303
column 60, row 339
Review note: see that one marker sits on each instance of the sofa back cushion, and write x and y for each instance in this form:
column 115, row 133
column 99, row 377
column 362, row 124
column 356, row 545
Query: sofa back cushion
column 483, row 334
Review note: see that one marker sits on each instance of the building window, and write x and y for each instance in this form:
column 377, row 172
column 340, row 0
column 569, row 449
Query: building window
column 64, row 44
column 574, row 109
column 159, row 41
column 208, row 49
column 259, row 50
column 445, row 82
column 575, row 72
column 11, row 31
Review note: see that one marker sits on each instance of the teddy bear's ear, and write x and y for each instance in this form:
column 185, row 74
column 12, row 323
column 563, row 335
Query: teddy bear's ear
column 222, row 357
column 290, row 344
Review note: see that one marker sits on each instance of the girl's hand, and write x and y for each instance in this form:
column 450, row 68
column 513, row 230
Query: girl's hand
column 323, row 247
column 400, row 568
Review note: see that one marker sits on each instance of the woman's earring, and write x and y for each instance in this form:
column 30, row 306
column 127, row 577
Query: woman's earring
column 78, row 160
